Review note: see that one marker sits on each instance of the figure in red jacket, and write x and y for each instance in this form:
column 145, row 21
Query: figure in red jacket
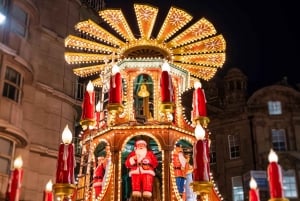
column 98, row 175
column 142, row 163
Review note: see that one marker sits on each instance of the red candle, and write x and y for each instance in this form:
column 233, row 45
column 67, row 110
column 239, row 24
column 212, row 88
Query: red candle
column 201, row 156
column 199, row 101
column 274, row 176
column 88, row 105
column 166, row 86
column 48, row 194
column 115, row 89
column 66, row 159
column 253, row 192
column 14, row 185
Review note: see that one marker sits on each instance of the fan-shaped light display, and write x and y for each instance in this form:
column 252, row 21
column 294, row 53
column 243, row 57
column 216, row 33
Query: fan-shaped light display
column 196, row 48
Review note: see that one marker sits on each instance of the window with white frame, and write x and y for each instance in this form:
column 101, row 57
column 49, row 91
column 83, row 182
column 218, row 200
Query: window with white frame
column 274, row 107
column 19, row 21
column 212, row 152
column 237, row 188
column 289, row 184
column 6, row 151
column 12, row 84
column 279, row 140
column 234, row 146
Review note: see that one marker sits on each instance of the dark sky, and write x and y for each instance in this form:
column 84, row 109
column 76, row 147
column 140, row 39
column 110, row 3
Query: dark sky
column 261, row 37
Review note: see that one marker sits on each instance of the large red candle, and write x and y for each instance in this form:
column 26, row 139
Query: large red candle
column 88, row 105
column 115, row 88
column 253, row 192
column 199, row 102
column 15, row 182
column 274, row 176
column 66, row 159
column 166, row 86
column 48, row 194
column 201, row 156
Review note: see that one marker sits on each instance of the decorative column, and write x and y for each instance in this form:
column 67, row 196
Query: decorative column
column 48, row 194
column 15, row 182
column 115, row 95
column 253, row 192
column 275, row 178
column 201, row 185
column 166, row 93
column 88, row 119
column 64, row 187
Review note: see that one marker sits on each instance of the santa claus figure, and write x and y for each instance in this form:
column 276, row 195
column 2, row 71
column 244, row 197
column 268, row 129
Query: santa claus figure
column 141, row 163
column 99, row 175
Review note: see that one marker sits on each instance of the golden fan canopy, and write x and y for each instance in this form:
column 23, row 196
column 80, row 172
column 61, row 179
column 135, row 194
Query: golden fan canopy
column 197, row 49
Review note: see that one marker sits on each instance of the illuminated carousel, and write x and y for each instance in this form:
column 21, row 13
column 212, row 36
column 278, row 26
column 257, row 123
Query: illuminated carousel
column 142, row 80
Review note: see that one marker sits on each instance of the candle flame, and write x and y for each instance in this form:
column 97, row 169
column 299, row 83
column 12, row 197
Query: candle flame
column 90, row 87
column 253, row 184
column 197, row 84
column 67, row 135
column 166, row 67
column 18, row 163
column 273, row 156
column 98, row 107
column 49, row 186
column 199, row 132
column 115, row 69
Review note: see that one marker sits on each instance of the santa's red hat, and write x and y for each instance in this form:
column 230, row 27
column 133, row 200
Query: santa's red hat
column 140, row 142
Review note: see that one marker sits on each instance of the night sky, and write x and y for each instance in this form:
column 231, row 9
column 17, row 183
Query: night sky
column 261, row 37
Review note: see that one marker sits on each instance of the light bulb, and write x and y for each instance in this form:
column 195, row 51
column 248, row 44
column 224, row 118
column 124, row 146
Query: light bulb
column 115, row 69
column 67, row 135
column 166, row 67
column 272, row 156
column 197, row 84
column 253, row 184
column 98, row 107
column 199, row 132
column 90, row 87
column 18, row 162
column 49, row 186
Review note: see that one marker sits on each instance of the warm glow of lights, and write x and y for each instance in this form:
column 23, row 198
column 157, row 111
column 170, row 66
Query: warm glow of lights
column 199, row 132
column 66, row 135
column 272, row 156
column 18, row 162
column 253, row 184
column 90, row 87
column 196, row 48
column 49, row 186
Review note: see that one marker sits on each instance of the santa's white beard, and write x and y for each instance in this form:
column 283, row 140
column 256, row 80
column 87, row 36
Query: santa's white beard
column 140, row 153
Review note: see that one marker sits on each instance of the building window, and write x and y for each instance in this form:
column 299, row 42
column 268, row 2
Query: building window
column 12, row 84
column 289, row 184
column 234, row 146
column 278, row 140
column 237, row 189
column 212, row 152
column 19, row 21
column 274, row 107
column 6, row 150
